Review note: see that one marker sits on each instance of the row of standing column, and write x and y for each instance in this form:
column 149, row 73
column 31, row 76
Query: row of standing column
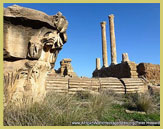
column 104, row 44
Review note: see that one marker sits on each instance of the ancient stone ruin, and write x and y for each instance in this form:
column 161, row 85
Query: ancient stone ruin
column 32, row 42
column 66, row 69
column 125, row 69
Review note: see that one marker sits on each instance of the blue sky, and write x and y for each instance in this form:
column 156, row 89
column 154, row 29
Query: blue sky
column 137, row 31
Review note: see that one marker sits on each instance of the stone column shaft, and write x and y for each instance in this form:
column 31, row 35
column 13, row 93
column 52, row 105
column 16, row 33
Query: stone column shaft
column 125, row 57
column 104, row 44
column 112, row 40
column 98, row 63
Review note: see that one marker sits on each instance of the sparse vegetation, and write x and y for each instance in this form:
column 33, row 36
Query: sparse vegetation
column 64, row 109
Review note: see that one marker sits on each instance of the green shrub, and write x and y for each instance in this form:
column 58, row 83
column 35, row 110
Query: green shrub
column 140, row 102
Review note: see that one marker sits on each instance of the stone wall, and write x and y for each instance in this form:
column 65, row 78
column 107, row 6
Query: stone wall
column 128, row 69
column 150, row 71
column 122, row 70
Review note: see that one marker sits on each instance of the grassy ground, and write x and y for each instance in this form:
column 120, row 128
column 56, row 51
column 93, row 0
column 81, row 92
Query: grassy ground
column 84, row 109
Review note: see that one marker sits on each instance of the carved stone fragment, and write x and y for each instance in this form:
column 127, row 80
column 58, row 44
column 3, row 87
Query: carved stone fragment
column 32, row 41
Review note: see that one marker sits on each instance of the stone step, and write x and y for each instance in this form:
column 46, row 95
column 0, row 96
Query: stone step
column 119, row 92
column 54, row 79
column 79, row 83
column 57, row 88
column 57, row 91
column 57, row 85
column 95, row 85
column 134, row 84
column 114, row 89
column 88, row 86
column 131, row 79
column 84, row 79
column 116, row 86
column 136, row 87
column 71, row 85
column 130, row 90
column 57, row 80
column 51, row 82
column 81, row 88
column 111, row 83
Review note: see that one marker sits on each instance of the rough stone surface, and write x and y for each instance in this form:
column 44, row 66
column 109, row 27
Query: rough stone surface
column 32, row 41
column 154, row 89
column 66, row 68
column 122, row 70
column 98, row 63
column 150, row 71
column 125, row 57
column 27, row 29
column 104, row 44
column 112, row 40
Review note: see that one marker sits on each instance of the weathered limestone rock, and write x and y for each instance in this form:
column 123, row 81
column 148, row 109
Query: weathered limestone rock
column 150, row 71
column 66, row 68
column 112, row 40
column 154, row 89
column 23, row 30
column 98, row 63
column 104, row 44
column 122, row 70
column 32, row 41
column 138, row 112
column 125, row 57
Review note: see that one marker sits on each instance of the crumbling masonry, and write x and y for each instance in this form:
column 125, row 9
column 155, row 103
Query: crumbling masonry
column 125, row 69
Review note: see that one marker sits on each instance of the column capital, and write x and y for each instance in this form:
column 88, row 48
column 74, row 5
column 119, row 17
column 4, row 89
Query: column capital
column 103, row 23
column 111, row 16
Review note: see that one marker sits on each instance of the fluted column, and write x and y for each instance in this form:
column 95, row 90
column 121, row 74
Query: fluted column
column 104, row 44
column 112, row 40
column 98, row 63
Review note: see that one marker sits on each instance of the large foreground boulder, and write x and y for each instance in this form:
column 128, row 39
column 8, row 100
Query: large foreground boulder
column 32, row 41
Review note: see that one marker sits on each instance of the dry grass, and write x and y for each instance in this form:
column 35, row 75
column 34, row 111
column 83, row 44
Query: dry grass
column 63, row 109
column 142, row 102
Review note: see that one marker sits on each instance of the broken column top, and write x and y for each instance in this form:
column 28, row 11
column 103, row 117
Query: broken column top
column 111, row 15
column 103, row 22
column 98, row 63
column 125, row 57
column 66, row 60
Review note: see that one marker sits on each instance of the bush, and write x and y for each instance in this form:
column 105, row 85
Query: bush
column 140, row 102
